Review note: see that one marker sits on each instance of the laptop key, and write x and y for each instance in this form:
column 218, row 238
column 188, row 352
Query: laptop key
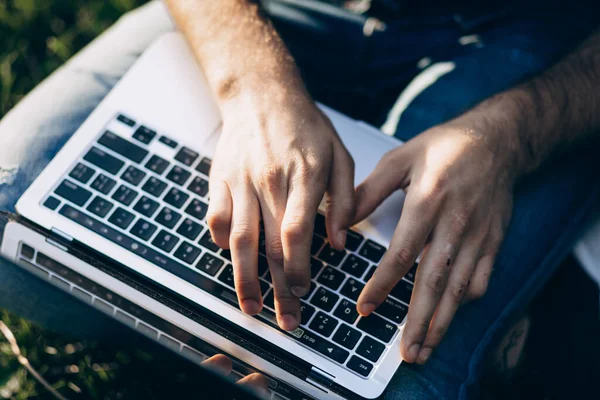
column 199, row 186
column 331, row 256
column 133, row 176
column 323, row 324
column 206, row 241
column 331, row 278
column 378, row 327
column 227, row 276
column 355, row 265
column 146, row 206
column 154, row 186
column 353, row 240
column 176, row 197
column 189, row 229
column 392, row 310
column 410, row 275
column 197, row 209
column 360, row 366
column 204, row 166
column 178, row 175
column 157, row 164
column 346, row 311
column 124, row 195
column 100, row 207
column 347, row 336
column 209, row 264
column 323, row 346
column 73, row 192
column 315, row 267
column 103, row 184
column 370, row 349
column 52, row 203
column 168, row 142
column 121, row 218
column 369, row 274
column 187, row 253
column 186, row 156
column 402, row 291
column 123, row 147
column 143, row 229
column 168, row 217
column 316, row 245
column 127, row 121
column 103, row 160
column 165, row 241
column 352, row 289
column 82, row 173
column 263, row 265
column 144, row 135
column 306, row 311
column 320, row 227
column 372, row 251
column 324, row 299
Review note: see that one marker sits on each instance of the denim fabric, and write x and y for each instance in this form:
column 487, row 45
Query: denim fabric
column 360, row 71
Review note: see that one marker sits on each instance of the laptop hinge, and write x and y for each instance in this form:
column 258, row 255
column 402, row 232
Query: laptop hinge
column 61, row 234
column 320, row 378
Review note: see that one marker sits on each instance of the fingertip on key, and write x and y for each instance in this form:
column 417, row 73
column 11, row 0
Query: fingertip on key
column 299, row 291
column 288, row 322
column 365, row 309
column 251, row 307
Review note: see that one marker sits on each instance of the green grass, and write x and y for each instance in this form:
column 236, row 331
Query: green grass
column 36, row 37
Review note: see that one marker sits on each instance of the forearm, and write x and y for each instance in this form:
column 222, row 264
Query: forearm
column 551, row 112
column 238, row 49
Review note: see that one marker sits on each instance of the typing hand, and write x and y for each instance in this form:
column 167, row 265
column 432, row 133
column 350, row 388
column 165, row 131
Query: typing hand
column 458, row 182
column 277, row 157
column 223, row 365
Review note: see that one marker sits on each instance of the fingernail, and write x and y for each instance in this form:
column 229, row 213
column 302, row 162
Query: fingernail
column 413, row 352
column 366, row 308
column 299, row 291
column 251, row 306
column 424, row 355
column 288, row 322
column 342, row 236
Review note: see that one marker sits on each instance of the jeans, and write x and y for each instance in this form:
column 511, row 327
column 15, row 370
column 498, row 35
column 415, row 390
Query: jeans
column 405, row 76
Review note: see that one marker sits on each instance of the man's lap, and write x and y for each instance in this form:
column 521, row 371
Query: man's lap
column 549, row 209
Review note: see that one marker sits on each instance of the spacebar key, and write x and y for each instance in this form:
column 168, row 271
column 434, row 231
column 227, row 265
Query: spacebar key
column 140, row 249
column 323, row 346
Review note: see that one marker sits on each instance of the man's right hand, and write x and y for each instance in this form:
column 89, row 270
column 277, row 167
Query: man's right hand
column 277, row 157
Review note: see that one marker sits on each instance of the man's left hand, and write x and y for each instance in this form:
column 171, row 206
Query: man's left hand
column 459, row 180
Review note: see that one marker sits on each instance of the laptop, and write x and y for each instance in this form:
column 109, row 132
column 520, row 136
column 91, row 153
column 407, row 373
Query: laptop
column 117, row 219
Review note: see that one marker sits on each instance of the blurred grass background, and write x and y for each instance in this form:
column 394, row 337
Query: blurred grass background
column 36, row 37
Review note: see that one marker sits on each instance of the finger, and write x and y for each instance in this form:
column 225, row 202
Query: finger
column 340, row 197
column 389, row 175
column 430, row 284
column 409, row 239
column 219, row 363
column 255, row 381
column 458, row 283
column 244, row 250
column 218, row 216
column 484, row 267
column 296, row 233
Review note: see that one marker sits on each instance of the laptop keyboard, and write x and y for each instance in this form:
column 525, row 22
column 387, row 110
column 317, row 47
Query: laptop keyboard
column 154, row 206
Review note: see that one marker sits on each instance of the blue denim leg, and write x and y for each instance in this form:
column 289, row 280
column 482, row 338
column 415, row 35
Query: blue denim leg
column 551, row 208
column 33, row 132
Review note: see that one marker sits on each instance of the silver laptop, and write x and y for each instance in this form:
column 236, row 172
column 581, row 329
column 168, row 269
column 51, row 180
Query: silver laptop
column 117, row 220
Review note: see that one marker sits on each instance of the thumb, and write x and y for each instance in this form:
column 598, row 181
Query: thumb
column 389, row 175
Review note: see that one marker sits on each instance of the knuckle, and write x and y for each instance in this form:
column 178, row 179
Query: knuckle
column 403, row 257
column 217, row 222
column 275, row 251
column 458, row 290
column 294, row 232
column 436, row 282
column 242, row 237
column 270, row 177
column 244, row 285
